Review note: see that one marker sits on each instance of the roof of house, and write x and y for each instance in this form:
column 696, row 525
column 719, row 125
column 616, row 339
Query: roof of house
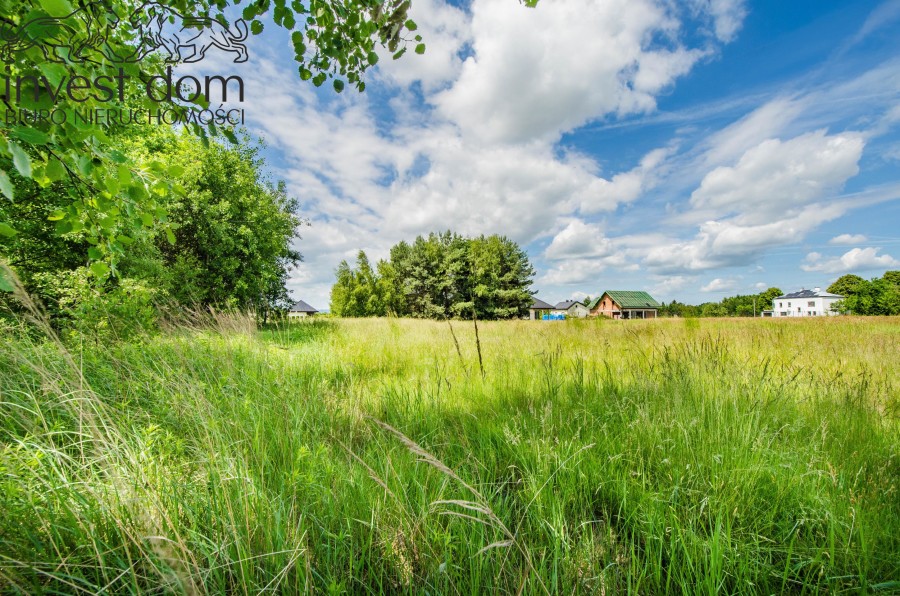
column 301, row 306
column 629, row 299
column 566, row 304
column 809, row 294
column 594, row 302
column 540, row 305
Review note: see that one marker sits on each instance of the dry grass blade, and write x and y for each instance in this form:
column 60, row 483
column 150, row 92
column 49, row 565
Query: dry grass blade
column 499, row 544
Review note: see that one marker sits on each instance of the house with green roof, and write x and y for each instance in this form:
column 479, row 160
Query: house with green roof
column 625, row 304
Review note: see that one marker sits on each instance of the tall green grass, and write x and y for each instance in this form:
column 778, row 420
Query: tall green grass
column 740, row 456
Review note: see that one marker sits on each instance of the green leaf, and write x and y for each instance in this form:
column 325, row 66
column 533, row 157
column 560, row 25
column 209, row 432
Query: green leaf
column 6, row 186
column 126, row 240
column 55, row 170
column 94, row 254
column 338, row 85
column 6, row 284
column 100, row 269
column 63, row 227
column 229, row 134
column 411, row 25
column 30, row 135
column 20, row 160
column 420, row 48
column 305, row 73
column 124, row 175
column 56, row 215
column 117, row 156
column 7, row 230
column 176, row 170
column 57, row 8
column 399, row 54
column 170, row 236
column 256, row 27
column 319, row 79
column 372, row 58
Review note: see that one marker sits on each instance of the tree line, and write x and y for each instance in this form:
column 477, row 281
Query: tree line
column 734, row 306
column 878, row 296
column 441, row 276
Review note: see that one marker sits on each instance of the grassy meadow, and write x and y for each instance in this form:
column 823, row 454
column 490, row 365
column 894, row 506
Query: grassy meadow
column 373, row 455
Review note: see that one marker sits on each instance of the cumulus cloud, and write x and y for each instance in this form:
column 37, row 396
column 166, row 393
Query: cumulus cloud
column 777, row 176
column 579, row 239
column 537, row 73
column 719, row 285
column 854, row 260
column 848, row 239
column 584, row 271
column 446, row 30
column 728, row 243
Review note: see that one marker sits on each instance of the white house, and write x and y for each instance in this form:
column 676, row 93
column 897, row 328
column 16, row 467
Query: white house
column 571, row 308
column 805, row 303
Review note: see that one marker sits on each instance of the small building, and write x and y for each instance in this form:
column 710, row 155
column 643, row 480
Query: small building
column 301, row 310
column 625, row 304
column 540, row 308
column 805, row 303
column 571, row 308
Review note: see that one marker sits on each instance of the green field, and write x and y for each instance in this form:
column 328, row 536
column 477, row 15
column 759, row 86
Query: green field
column 369, row 456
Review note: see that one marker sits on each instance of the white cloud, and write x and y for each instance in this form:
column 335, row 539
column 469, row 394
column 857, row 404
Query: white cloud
column 848, row 239
column 446, row 30
column 776, row 177
column 727, row 16
column 584, row 271
column 728, row 243
column 537, row 73
column 854, row 260
column 578, row 240
column 766, row 122
column 719, row 285
column 625, row 187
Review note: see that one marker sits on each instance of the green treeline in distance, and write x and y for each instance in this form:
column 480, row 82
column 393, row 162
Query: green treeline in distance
column 733, row 306
column 880, row 296
column 437, row 277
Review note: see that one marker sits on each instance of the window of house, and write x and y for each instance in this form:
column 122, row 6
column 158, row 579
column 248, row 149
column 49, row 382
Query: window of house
column 811, row 303
column 780, row 304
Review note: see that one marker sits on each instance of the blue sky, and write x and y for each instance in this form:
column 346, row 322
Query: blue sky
column 693, row 149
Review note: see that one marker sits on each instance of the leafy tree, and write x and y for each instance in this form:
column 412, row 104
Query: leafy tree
column 766, row 298
column 439, row 276
column 231, row 231
column 229, row 243
column 892, row 277
column 847, row 285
